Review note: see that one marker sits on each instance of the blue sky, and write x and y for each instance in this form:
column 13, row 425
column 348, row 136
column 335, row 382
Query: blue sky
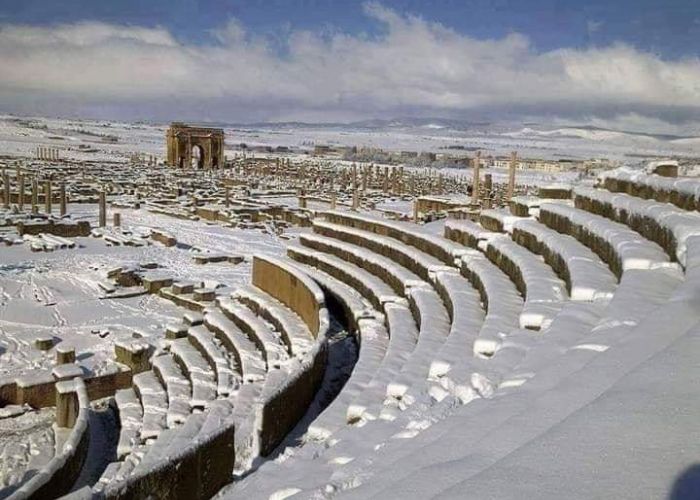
column 670, row 28
column 630, row 62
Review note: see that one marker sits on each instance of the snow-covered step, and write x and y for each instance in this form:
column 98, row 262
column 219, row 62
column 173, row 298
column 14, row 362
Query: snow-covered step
column 410, row 234
column 544, row 292
column 130, row 419
column 177, row 387
column 434, row 328
column 501, row 301
column 464, row 305
column 667, row 225
column 369, row 286
column 248, row 358
column 616, row 244
column 586, row 276
column 198, row 371
column 227, row 380
column 414, row 260
column 468, row 233
column 403, row 336
column 374, row 340
column 395, row 275
column 684, row 192
column 154, row 400
column 267, row 340
column 497, row 219
column 294, row 331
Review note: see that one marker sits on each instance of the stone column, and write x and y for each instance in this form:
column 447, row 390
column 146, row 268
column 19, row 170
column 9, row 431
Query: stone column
column 6, row 190
column 334, row 200
column 415, row 211
column 488, row 184
column 67, row 405
column 475, row 182
column 511, row 175
column 20, row 203
column 227, row 196
column 47, row 197
column 355, row 199
column 117, row 219
column 63, row 202
column 103, row 209
column 35, row 196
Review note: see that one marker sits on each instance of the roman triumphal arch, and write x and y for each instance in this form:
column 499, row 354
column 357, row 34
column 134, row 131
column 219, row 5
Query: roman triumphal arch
column 207, row 144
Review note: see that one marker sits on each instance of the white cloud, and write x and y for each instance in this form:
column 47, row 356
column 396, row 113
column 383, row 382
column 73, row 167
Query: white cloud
column 414, row 66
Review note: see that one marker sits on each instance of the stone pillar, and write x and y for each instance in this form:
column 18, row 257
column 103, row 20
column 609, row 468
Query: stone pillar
column 67, row 405
column 6, row 190
column 20, row 203
column 63, row 202
column 103, row 209
column 488, row 184
column 475, row 182
column 511, row 175
column 47, row 197
column 355, row 199
column 35, row 196
column 334, row 200
column 227, row 196
column 65, row 355
column 385, row 186
column 416, row 214
column 117, row 219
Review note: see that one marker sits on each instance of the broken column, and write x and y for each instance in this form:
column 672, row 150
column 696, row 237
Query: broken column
column 65, row 354
column 103, row 209
column 475, row 181
column 35, row 196
column 47, row 196
column 63, row 203
column 67, row 403
column 511, row 175
column 20, row 202
column 6, row 190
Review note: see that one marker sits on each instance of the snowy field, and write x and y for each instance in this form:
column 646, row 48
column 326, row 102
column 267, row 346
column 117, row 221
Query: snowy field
column 58, row 293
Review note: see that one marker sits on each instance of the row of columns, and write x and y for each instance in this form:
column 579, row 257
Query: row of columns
column 48, row 196
column 44, row 153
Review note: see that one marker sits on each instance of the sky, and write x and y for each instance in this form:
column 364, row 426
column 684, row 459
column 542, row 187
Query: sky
column 626, row 64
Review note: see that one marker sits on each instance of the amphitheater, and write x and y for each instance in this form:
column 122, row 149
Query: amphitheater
column 547, row 350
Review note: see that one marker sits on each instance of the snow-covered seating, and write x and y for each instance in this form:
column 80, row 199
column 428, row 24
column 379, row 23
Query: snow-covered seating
column 155, row 404
column 497, row 220
column 403, row 336
column 372, row 288
column 197, row 370
column 467, row 233
column 57, row 477
column 294, row 332
column 408, row 234
column 682, row 192
column 544, row 292
column 246, row 357
column 616, row 244
column 227, row 380
column 130, row 414
column 177, row 387
column 667, row 225
column 586, row 277
column 179, row 464
column 434, row 329
column 268, row 341
column 501, row 300
column 464, row 306
column 395, row 275
column 414, row 260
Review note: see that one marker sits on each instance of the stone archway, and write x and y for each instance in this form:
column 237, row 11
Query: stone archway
column 185, row 142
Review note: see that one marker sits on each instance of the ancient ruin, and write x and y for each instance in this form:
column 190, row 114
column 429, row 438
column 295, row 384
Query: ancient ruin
column 194, row 147
column 170, row 334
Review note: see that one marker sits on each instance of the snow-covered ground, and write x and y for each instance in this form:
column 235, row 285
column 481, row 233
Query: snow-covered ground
column 58, row 293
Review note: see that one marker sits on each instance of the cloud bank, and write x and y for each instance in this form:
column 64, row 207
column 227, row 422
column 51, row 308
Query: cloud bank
column 414, row 67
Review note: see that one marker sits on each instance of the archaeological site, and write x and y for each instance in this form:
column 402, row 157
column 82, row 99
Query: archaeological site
column 265, row 251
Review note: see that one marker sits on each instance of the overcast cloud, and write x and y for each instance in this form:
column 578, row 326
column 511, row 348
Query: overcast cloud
column 415, row 67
